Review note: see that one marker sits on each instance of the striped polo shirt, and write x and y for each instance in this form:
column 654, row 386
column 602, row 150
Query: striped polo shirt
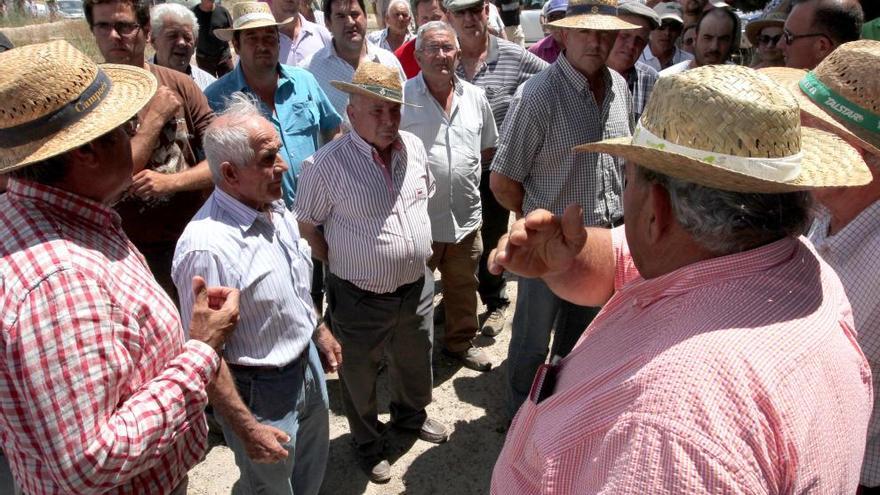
column 375, row 218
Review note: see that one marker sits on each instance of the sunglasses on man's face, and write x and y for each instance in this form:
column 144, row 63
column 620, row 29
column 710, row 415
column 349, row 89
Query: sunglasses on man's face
column 769, row 40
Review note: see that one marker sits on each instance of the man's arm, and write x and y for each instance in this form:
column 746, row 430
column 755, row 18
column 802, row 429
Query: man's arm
column 315, row 238
column 161, row 109
column 151, row 184
column 312, row 207
column 508, row 192
column 522, row 134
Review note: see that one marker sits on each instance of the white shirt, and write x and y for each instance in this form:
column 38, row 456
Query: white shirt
column 327, row 66
column 311, row 39
column 854, row 253
column 678, row 56
column 677, row 68
column 380, row 38
column 453, row 143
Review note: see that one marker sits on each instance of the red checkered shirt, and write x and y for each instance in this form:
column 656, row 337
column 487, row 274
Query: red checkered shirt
column 98, row 392
column 734, row 375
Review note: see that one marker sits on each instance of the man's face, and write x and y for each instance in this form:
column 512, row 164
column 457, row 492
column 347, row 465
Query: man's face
column 693, row 7
column 174, row 45
column 472, row 22
column 662, row 39
column 688, row 39
column 629, row 44
column 398, row 18
column 258, row 49
column 347, row 24
column 284, row 9
column 429, row 11
column 126, row 47
column 587, row 49
column 437, row 55
column 804, row 52
column 258, row 183
column 375, row 121
column 714, row 40
column 112, row 152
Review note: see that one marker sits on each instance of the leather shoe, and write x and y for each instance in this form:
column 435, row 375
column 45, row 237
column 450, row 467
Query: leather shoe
column 378, row 472
column 472, row 358
column 433, row 431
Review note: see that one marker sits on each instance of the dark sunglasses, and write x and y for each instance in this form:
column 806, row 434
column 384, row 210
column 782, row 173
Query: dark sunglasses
column 769, row 40
column 790, row 37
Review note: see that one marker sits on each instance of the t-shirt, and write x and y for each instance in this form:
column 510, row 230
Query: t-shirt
column 209, row 45
column 162, row 220
column 406, row 53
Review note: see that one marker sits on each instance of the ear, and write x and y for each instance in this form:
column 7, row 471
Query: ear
column 661, row 215
column 235, row 44
column 229, row 173
column 824, row 46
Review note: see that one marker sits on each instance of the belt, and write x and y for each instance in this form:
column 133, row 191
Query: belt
column 400, row 290
column 614, row 223
column 244, row 368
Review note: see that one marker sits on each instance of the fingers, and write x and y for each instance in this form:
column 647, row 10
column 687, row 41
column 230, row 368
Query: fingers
column 573, row 223
column 200, row 291
column 498, row 257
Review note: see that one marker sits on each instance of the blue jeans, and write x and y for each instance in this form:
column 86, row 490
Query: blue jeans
column 538, row 311
column 293, row 399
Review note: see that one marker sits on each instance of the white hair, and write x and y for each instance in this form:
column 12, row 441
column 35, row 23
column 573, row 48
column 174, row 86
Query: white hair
column 430, row 27
column 173, row 11
column 392, row 3
column 228, row 137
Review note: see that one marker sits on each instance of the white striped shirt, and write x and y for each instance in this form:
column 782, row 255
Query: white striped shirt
column 232, row 245
column 378, row 232
column 854, row 253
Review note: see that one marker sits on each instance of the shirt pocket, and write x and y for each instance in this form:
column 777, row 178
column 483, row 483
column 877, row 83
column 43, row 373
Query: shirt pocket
column 303, row 118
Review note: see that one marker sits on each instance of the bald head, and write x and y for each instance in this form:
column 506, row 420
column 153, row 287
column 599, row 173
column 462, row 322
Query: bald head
column 814, row 28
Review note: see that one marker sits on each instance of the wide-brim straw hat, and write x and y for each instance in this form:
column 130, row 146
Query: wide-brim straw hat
column 376, row 81
column 249, row 15
column 54, row 99
column 599, row 15
column 753, row 29
column 845, row 90
column 732, row 128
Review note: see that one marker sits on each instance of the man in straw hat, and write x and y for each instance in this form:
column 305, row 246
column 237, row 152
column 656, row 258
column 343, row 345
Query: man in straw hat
column 370, row 189
column 842, row 95
column 270, row 394
column 100, row 390
column 498, row 67
column 170, row 176
column 814, row 28
column 577, row 99
column 724, row 359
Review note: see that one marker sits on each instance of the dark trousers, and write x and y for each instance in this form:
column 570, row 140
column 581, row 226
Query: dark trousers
column 492, row 288
column 216, row 66
column 398, row 325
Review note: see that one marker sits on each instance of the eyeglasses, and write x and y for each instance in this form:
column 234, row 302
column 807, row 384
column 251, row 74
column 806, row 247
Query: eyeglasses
column 769, row 40
column 122, row 28
column 791, row 38
column 131, row 126
column 433, row 49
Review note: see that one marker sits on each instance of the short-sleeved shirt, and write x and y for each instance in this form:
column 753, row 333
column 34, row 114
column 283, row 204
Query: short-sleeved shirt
column 453, row 143
column 406, row 55
column 302, row 111
column 738, row 375
column 552, row 113
column 178, row 148
column 380, row 39
column 678, row 56
column 854, row 253
column 327, row 66
column 209, row 45
column 310, row 40
column 507, row 65
column 375, row 215
column 547, row 49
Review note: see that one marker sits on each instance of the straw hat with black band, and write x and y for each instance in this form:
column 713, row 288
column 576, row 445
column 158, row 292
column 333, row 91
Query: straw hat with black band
column 249, row 15
column 843, row 91
column 732, row 128
column 376, row 81
column 54, row 99
column 598, row 15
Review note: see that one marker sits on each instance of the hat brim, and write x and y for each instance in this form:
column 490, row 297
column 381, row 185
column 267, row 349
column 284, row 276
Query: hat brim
column 828, row 161
column 131, row 88
column 597, row 22
column 356, row 89
column 225, row 34
column 790, row 79
column 754, row 28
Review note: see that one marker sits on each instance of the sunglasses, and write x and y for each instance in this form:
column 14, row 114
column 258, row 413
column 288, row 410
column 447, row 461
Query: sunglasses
column 790, row 37
column 124, row 29
column 769, row 40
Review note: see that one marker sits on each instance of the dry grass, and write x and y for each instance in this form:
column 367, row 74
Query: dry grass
column 76, row 32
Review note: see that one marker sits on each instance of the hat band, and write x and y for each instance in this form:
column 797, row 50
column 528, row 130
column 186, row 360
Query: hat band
column 782, row 169
column 587, row 9
column 69, row 114
column 838, row 105
column 253, row 16
column 381, row 90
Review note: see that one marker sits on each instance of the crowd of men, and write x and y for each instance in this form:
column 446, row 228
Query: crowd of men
column 695, row 242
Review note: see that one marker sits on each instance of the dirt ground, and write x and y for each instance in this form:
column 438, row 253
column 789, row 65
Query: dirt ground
column 470, row 403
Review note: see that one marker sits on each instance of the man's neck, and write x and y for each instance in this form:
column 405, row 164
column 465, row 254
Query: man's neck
column 291, row 29
column 206, row 6
column 850, row 203
column 474, row 47
column 665, row 58
column 263, row 83
column 441, row 90
column 352, row 57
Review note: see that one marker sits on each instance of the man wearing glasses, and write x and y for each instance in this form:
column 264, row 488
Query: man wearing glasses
column 814, row 28
column 170, row 176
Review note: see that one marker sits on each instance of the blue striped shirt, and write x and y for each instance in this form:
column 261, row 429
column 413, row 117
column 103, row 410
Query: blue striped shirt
column 261, row 254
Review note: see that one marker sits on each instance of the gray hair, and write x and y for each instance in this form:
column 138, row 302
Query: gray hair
column 726, row 222
column 392, row 3
column 228, row 137
column 430, row 27
column 174, row 11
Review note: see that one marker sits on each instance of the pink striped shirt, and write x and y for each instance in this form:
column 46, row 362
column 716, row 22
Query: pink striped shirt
column 739, row 374
column 98, row 391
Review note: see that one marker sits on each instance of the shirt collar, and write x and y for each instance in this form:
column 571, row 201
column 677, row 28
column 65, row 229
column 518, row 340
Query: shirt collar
column 492, row 51
column 243, row 215
column 850, row 235
column 240, row 83
column 372, row 55
column 188, row 72
column 578, row 80
column 64, row 203
column 422, row 85
column 712, row 271
column 368, row 149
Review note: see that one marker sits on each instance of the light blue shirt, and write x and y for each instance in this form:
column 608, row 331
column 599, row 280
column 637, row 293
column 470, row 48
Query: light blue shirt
column 261, row 254
column 302, row 111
